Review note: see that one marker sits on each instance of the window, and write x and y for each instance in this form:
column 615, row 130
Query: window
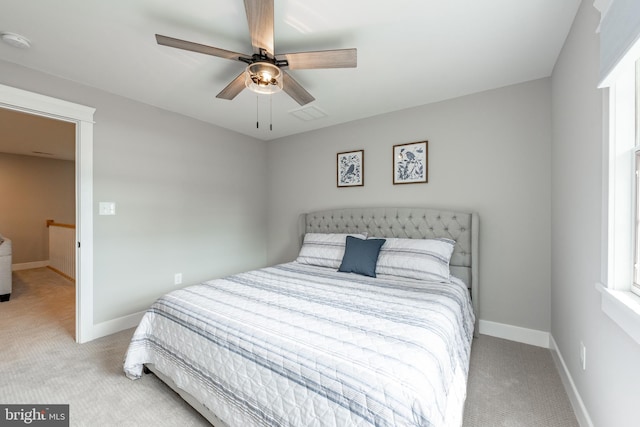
column 619, row 68
column 636, row 117
column 623, row 268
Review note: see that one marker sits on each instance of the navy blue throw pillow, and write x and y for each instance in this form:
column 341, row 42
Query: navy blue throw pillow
column 361, row 256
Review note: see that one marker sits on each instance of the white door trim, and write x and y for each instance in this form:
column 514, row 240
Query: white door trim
column 82, row 116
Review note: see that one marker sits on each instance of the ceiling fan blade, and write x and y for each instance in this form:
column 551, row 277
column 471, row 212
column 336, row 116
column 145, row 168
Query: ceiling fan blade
column 200, row 48
column 338, row 58
column 233, row 89
column 297, row 92
column 260, row 19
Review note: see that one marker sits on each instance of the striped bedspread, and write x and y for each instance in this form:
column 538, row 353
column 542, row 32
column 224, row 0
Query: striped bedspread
column 297, row 345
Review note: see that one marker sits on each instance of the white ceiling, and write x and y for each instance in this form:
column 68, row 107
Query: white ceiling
column 410, row 52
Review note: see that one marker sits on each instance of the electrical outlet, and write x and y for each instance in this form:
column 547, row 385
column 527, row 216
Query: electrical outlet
column 583, row 356
column 177, row 279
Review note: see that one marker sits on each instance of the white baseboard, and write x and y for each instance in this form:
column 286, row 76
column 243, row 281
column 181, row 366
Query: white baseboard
column 499, row 330
column 29, row 265
column 116, row 325
column 515, row 333
column 570, row 387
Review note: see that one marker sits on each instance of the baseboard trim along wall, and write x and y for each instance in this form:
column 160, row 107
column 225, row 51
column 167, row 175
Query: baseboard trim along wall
column 570, row 387
column 494, row 329
column 116, row 325
column 515, row 333
column 29, row 265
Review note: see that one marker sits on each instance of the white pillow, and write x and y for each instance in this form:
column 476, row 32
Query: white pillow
column 324, row 250
column 423, row 259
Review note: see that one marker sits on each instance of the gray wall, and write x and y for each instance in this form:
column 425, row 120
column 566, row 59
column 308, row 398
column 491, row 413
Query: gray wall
column 32, row 190
column 488, row 152
column 183, row 207
column 190, row 197
column 610, row 386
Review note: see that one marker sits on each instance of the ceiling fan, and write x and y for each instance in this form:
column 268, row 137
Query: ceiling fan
column 265, row 71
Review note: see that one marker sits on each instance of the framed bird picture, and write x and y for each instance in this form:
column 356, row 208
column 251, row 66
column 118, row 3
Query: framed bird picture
column 350, row 169
column 410, row 162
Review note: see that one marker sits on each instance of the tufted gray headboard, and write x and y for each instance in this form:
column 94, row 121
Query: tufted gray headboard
column 413, row 223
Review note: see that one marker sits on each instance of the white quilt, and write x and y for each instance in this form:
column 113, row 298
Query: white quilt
column 297, row 345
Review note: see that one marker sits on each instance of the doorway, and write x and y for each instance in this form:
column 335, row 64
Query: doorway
column 37, row 183
column 82, row 116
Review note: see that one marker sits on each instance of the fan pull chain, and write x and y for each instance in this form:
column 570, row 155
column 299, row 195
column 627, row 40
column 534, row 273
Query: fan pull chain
column 270, row 112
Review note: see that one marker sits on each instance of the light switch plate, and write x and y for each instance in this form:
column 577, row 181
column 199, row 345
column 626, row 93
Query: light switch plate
column 107, row 208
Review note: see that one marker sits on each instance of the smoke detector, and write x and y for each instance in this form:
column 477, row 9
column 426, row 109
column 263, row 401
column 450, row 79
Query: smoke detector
column 15, row 40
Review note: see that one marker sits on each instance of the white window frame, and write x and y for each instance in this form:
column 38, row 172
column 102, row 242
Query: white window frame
column 619, row 301
column 635, row 284
column 621, row 181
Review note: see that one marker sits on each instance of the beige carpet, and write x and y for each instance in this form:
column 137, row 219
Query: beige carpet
column 514, row 385
column 510, row 384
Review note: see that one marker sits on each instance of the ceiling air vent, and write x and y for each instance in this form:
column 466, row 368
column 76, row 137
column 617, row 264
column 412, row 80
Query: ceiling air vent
column 308, row 113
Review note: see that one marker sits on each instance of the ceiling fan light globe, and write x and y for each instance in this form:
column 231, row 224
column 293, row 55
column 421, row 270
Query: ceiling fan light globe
column 263, row 78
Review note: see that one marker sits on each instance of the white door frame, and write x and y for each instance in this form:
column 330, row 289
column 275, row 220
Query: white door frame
column 34, row 103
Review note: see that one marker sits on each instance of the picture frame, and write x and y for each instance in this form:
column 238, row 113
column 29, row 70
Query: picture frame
column 410, row 163
column 350, row 169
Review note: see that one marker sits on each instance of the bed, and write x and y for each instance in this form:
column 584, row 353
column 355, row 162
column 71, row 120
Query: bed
column 301, row 343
